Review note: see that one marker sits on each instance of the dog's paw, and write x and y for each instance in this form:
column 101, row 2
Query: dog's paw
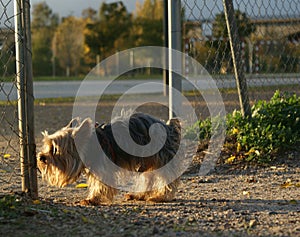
column 137, row 197
column 85, row 202
column 128, row 197
column 159, row 199
column 89, row 202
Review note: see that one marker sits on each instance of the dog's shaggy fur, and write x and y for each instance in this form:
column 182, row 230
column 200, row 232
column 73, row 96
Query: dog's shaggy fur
column 60, row 163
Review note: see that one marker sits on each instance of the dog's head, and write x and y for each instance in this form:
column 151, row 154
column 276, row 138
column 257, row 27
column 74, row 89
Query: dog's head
column 59, row 160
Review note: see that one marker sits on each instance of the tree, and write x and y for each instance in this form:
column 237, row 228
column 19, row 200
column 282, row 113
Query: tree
column 7, row 54
column 89, row 14
column 43, row 16
column 244, row 25
column 43, row 26
column 109, row 33
column 68, row 44
column 148, row 23
column 151, row 10
column 220, row 35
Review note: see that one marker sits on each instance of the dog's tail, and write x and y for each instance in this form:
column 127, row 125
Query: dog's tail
column 174, row 122
column 175, row 126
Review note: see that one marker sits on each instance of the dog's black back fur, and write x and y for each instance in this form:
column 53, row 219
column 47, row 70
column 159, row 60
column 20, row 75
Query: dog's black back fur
column 139, row 124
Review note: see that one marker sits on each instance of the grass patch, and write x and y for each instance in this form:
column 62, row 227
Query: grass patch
column 58, row 100
column 80, row 78
column 58, row 78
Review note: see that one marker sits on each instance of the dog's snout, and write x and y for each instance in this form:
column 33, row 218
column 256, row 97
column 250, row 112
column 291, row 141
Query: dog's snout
column 42, row 158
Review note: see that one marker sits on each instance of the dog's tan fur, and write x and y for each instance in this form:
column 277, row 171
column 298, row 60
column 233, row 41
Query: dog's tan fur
column 60, row 163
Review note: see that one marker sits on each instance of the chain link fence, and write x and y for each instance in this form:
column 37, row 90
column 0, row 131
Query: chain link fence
column 268, row 45
column 17, row 148
column 9, row 142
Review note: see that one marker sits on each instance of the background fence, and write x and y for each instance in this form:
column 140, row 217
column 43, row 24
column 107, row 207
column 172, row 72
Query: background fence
column 9, row 143
column 17, row 145
column 267, row 38
column 269, row 45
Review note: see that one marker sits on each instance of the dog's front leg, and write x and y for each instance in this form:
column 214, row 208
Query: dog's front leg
column 99, row 192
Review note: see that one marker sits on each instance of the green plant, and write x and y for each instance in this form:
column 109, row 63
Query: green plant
column 273, row 127
column 200, row 130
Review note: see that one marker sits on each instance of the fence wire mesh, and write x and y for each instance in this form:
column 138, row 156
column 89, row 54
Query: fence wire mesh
column 269, row 33
column 9, row 138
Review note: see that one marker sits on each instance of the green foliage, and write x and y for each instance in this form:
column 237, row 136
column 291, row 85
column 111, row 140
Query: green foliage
column 43, row 25
column 274, row 127
column 244, row 26
column 9, row 206
column 107, row 30
column 104, row 33
column 279, row 57
column 7, row 58
column 147, row 32
column 147, row 25
column 221, row 56
column 67, row 44
column 201, row 129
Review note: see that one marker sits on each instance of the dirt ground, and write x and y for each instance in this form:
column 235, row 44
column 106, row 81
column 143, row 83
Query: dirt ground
column 243, row 200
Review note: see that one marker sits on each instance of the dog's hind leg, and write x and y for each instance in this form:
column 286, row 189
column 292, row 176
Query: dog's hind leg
column 98, row 192
column 165, row 194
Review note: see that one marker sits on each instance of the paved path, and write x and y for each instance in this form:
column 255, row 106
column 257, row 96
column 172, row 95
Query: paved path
column 51, row 89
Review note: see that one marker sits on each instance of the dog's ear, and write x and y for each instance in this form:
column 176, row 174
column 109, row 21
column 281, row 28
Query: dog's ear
column 84, row 131
column 82, row 134
column 73, row 123
column 45, row 134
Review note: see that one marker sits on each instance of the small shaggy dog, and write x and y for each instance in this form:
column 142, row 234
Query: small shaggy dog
column 61, row 162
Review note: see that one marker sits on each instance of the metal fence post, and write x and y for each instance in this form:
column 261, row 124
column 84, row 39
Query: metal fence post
column 175, row 63
column 166, row 42
column 19, row 41
column 25, row 97
column 30, row 104
column 235, row 45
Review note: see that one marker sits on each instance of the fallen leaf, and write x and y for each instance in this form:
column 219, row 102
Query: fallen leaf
column 238, row 147
column 297, row 185
column 252, row 150
column 68, row 211
column 6, row 156
column 230, row 159
column 65, row 211
column 82, row 185
column 36, row 202
column 86, row 220
column 252, row 223
column 285, row 185
column 288, row 183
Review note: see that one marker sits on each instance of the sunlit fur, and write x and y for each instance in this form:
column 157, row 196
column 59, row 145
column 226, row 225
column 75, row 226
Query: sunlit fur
column 60, row 163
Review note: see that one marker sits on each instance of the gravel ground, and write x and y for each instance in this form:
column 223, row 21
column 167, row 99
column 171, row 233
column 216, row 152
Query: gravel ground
column 241, row 200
